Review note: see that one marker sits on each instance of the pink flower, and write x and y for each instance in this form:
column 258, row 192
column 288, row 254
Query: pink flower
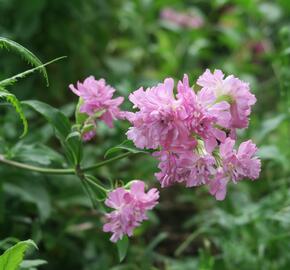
column 185, row 167
column 201, row 169
column 201, row 118
column 171, row 169
column 249, row 165
column 194, row 132
column 216, row 88
column 175, row 123
column 234, row 166
column 182, row 19
column 159, row 121
column 218, row 186
column 241, row 163
column 87, row 136
column 130, row 209
column 97, row 98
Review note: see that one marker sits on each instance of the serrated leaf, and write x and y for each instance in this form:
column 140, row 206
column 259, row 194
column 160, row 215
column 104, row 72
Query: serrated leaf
column 12, row 99
column 12, row 80
column 122, row 246
column 13, row 256
column 126, row 145
column 25, row 53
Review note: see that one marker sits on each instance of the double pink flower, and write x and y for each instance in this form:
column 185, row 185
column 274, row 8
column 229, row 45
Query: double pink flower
column 97, row 100
column 130, row 207
column 194, row 133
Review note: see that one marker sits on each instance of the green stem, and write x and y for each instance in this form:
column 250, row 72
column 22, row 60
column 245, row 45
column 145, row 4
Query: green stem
column 59, row 171
column 35, row 168
column 100, row 164
column 86, row 187
column 87, row 178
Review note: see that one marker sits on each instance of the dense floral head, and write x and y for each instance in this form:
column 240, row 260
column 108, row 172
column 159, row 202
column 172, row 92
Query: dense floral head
column 159, row 122
column 130, row 207
column 170, row 122
column 237, row 93
column 96, row 99
column 193, row 133
column 186, row 167
column 201, row 119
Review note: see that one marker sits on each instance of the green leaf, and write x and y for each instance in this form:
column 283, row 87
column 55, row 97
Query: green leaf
column 7, row 242
column 12, row 99
column 32, row 191
column 2, row 204
column 74, row 142
column 32, row 263
column 70, row 141
column 126, row 145
column 80, row 117
column 155, row 242
column 25, row 53
column 12, row 257
column 97, row 187
column 122, row 246
column 270, row 125
column 55, row 117
column 271, row 152
column 12, row 80
column 36, row 153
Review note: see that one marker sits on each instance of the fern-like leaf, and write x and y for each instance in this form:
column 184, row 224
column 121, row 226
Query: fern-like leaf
column 21, row 75
column 25, row 53
column 12, row 99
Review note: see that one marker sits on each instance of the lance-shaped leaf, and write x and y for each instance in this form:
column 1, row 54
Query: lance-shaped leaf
column 13, row 256
column 122, row 246
column 70, row 141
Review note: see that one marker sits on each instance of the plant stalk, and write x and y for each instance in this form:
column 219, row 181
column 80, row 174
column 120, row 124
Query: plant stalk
column 57, row 170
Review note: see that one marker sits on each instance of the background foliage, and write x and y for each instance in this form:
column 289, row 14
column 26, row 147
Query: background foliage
column 127, row 43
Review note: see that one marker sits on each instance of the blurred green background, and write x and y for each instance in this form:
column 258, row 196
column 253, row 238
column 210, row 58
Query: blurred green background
column 127, row 43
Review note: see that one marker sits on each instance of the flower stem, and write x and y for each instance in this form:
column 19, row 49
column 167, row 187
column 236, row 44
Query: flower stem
column 85, row 185
column 91, row 181
column 100, row 164
column 56, row 170
column 35, row 168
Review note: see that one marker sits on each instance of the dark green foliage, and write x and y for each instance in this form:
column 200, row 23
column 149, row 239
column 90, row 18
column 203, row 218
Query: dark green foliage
column 126, row 43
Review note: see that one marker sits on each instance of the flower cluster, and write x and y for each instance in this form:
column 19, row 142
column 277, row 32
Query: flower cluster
column 195, row 133
column 97, row 102
column 130, row 207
